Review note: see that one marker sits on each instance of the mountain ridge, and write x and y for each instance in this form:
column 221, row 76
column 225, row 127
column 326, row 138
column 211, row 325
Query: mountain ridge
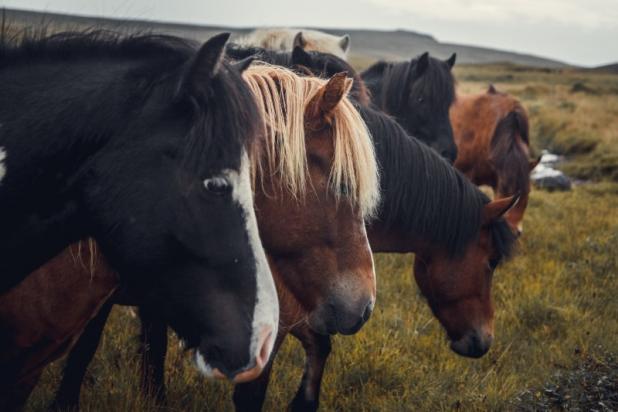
column 398, row 44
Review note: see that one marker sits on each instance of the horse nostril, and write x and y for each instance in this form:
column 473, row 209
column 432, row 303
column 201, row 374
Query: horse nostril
column 472, row 345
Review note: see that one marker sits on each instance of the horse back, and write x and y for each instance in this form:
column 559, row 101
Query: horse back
column 489, row 129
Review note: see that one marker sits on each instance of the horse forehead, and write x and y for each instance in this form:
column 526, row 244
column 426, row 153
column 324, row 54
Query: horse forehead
column 320, row 143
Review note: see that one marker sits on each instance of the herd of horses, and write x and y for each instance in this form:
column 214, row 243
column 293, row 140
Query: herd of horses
column 235, row 193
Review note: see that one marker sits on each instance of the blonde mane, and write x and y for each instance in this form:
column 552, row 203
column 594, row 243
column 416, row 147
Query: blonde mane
column 282, row 97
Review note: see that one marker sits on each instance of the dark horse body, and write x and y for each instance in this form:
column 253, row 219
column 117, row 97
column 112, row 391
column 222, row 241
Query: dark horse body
column 418, row 94
column 120, row 139
column 491, row 130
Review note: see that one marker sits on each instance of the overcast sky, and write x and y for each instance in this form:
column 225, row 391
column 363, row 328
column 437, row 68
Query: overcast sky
column 583, row 32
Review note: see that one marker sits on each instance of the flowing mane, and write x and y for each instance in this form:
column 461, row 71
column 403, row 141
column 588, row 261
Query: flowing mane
column 506, row 150
column 282, row 97
column 153, row 65
column 423, row 194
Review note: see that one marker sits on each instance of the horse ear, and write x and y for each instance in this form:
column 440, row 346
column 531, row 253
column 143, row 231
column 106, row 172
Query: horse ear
column 301, row 57
column 299, row 40
column 497, row 208
column 344, row 42
column 451, row 60
column 329, row 96
column 533, row 163
column 491, row 89
column 243, row 64
column 205, row 65
column 422, row 63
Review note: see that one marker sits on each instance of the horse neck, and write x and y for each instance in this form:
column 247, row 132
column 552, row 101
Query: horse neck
column 63, row 128
column 383, row 238
column 382, row 91
column 419, row 190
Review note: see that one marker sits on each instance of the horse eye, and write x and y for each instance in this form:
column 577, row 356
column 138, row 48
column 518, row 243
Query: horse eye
column 218, row 185
column 344, row 190
column 420, row 99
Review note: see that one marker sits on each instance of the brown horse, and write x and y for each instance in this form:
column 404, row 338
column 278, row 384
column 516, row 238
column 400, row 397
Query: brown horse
column 492, row 135
column 428, row 208
column 38, row 326
column 316, row 179
column 459, row 238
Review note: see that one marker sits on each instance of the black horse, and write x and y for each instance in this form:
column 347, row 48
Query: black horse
column 418, row 94
column 141, row 143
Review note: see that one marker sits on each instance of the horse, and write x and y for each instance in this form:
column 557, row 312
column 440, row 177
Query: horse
column 39, row 327
column 472, row 241
column 284, row 39
column 306, row 62
column 491, row 131
column 315, row 179
column 140, row 142
column 418, row 94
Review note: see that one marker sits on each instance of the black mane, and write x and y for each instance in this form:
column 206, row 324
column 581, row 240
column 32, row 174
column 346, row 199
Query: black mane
column 423, row 194
column 93, row 43
column 156, row 65
column 394, row 79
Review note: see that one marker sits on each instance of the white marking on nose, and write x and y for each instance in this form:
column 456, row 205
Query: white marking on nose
column 2, row 163
column 266, row 311
column 202, row 366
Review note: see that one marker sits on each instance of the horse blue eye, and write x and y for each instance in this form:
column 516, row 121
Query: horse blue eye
column 218, row 185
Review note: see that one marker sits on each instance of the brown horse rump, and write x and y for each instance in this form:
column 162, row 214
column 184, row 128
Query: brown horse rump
column 43, row 316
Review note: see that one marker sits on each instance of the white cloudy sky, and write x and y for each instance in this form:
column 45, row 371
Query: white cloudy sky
column 582, row 32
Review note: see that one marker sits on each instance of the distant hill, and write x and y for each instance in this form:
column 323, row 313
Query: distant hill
column 607, row 68
column 367, row 44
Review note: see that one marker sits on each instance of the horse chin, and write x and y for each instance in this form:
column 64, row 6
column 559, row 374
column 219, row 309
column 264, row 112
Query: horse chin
column 317, row 324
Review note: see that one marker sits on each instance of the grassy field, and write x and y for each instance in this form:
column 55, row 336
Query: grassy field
column 556, row 306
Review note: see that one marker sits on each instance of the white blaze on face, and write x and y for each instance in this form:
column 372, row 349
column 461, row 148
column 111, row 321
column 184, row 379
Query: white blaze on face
column 266, row 311
column 2, row 163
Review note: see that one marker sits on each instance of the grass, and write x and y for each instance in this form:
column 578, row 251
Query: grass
column 555, row 305
column 556, row 308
